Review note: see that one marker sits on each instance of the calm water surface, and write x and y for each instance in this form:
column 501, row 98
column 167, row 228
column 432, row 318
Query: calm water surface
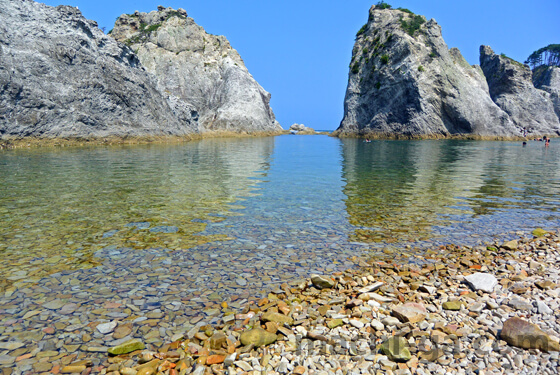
column 236, row 209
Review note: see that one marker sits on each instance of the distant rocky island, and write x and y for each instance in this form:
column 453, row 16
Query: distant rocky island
column 157, row 74
column 405, row 82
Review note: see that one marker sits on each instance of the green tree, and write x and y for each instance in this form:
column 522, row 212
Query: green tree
column 549, row 55
column 382, row 5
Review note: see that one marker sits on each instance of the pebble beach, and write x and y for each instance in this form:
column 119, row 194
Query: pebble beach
column 486, row 309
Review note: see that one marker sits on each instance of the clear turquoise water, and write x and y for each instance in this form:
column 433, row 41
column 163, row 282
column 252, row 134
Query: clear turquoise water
column 288, row 196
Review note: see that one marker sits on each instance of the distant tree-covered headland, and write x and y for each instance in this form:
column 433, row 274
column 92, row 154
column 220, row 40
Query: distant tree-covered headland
column 549, row 55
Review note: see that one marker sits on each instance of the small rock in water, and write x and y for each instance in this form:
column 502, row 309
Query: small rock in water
column 110, row 233
column 122, row 331
column 164, row 229
column 482, row 281
column 539, row 232
column 322, row 282
column 54, row 304
column 257, row 337
column 510, row 245
column 12, row 345
column 277, row 318
column 139, row 225
column 126, row 347
column 106, row 328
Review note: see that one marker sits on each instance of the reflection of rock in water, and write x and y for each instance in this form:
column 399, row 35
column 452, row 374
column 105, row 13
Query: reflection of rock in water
column 398, row 190
column 69, row 203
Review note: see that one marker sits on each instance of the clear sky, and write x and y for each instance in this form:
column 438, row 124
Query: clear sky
column 299, row 51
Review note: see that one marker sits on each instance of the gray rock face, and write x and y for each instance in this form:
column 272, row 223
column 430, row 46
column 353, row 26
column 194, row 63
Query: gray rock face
column 547, row 78
column 408, row 83
column 193, row 66
column 404, row 81
column 60, row 76
column 511, row 87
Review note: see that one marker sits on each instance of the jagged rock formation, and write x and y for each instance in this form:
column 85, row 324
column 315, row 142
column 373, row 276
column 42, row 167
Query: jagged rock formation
column 404, row 81
column 547, row 78
column 199, row 68
column 511, row 88
column 60, row 76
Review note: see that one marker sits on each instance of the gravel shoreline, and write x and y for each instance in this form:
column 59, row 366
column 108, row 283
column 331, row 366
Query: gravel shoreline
column 444, row 313
column 452, row 309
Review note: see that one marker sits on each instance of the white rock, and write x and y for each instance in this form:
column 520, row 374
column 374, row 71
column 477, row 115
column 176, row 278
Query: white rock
column 106, row 328
column 482, row 281
column 374, row 296
column 243, row 365
column 542, row 308
column 390, row 321
column 357, row 323
column 371, row 288
column 377, row 325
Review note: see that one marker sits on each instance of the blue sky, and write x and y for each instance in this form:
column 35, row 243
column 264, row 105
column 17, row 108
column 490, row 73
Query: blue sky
column 299, row 51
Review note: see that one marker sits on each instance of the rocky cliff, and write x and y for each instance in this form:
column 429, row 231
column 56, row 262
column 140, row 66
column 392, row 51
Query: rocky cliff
column 511, row 88
column 196, row 67
column 404, row 81
column 60, row 76
column 547, row 78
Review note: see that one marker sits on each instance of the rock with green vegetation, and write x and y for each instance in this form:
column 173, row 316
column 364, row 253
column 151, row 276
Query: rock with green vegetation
column 199, row 69
column 257, row 337
column 126, row 347
column 405, row 82
column 396, row 348
column 512, row 89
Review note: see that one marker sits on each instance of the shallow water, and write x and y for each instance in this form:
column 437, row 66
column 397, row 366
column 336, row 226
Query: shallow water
column 60, row 206
column 128, row 230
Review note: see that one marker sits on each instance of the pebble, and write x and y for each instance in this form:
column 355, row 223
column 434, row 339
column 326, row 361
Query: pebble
column 482, row 281
column 11, row 345
column 105, row 328
column 542, row 308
